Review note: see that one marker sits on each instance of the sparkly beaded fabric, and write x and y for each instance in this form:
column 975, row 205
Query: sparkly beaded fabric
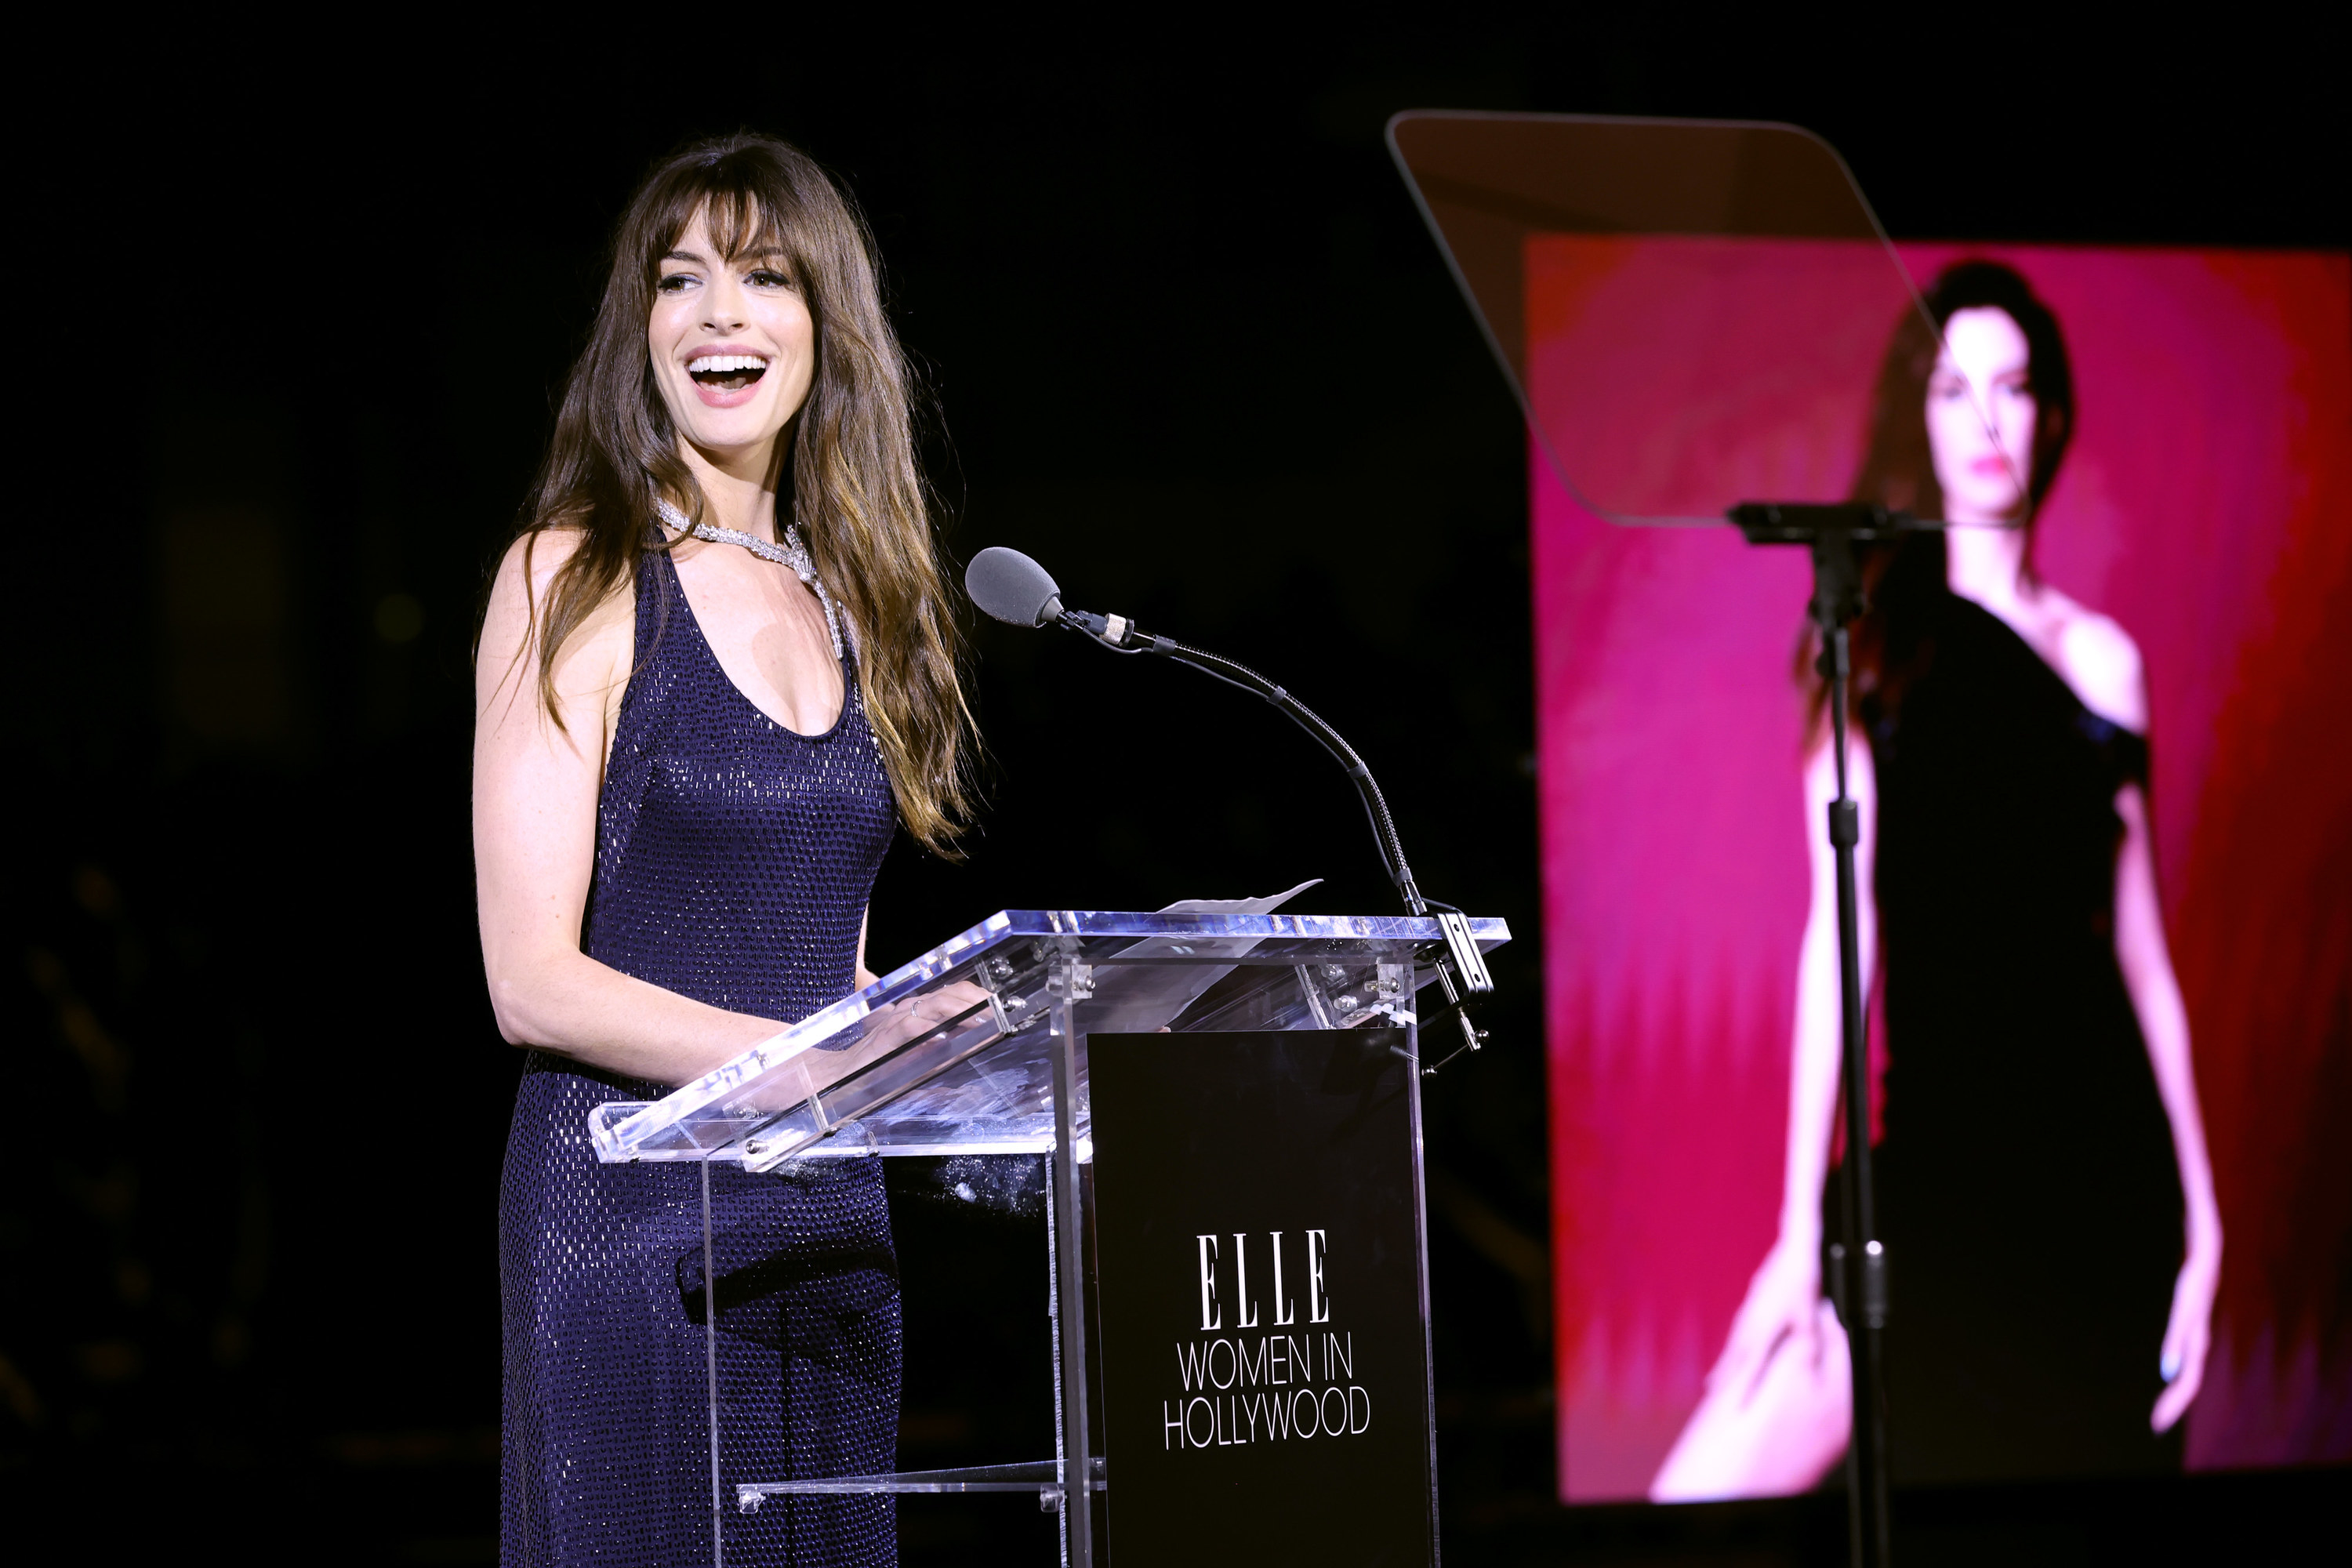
column 734, row 857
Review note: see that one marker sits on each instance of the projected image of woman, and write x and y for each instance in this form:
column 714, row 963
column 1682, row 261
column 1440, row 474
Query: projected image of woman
column 2043, row 1187
column 714, row 677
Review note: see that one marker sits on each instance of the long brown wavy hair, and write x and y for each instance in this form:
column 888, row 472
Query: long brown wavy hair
column 847, row 457
column 1898, row 470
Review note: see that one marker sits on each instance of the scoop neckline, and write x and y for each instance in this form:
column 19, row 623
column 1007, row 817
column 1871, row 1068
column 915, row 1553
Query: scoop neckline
column 848, row 673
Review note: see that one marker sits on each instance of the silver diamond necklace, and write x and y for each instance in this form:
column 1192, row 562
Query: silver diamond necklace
column 792, row 552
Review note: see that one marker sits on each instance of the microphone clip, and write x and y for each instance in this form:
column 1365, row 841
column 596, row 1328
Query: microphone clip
column 1116, row 632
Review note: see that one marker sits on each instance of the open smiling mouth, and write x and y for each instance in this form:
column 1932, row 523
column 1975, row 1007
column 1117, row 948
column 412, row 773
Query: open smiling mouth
column 727, row 372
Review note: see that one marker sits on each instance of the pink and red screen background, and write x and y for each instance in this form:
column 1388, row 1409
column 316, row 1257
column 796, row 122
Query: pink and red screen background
column 2206, row 504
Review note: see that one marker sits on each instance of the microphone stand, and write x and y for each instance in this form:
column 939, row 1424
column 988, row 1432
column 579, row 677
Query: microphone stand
column 1461, row 968
column 1832, row 531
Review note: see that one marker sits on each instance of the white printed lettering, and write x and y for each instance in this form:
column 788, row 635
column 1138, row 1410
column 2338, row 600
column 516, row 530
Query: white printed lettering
column 1285, row 1313
column 1212, row 1316
column 1318, row 1309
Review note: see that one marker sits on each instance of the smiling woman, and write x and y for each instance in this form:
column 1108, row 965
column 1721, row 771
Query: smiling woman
column 760, row 226
column 714, row 675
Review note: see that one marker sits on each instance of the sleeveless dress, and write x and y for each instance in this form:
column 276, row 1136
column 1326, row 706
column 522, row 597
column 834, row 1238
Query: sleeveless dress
column 734, row 860
column 2028, row 1193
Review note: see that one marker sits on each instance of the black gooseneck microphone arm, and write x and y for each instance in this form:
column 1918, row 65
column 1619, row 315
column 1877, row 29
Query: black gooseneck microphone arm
column 1460, row 970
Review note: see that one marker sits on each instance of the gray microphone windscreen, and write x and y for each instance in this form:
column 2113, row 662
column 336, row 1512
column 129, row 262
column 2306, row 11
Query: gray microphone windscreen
column 1011, row 587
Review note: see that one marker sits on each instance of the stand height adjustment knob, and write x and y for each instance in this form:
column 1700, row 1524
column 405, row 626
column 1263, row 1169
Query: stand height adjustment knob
column 1873, row 1284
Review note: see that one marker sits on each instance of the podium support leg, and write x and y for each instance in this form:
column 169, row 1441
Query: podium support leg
column 710, row 1369
column 1070, row 982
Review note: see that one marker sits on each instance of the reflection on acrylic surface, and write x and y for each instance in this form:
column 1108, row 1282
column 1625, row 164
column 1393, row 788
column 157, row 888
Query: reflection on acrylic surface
column 2046, row 1189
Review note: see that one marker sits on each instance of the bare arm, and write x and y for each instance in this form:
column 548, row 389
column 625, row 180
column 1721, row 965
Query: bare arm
column 2099, row 658
column 535, row 793
column 2145, row 961
column 1784, row 1296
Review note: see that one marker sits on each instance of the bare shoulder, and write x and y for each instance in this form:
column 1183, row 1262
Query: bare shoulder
column 2100, row 661
column 528, row 565
column 593, row 657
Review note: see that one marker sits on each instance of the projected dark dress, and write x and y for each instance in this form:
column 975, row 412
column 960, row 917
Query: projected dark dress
column 734, row 859
column 2028, row 1192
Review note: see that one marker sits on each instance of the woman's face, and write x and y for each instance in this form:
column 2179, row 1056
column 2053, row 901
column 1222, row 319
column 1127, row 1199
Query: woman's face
column 732, row 343
column 1981, row 416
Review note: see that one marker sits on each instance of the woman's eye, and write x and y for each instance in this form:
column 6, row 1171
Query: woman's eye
column 671, row 282
column 768, row 278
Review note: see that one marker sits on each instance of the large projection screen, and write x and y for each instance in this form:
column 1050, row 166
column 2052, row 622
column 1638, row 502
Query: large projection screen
column 2206, row 505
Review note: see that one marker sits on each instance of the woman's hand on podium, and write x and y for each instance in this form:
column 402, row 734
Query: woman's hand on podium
column 887, row 1028
column 816, row 1069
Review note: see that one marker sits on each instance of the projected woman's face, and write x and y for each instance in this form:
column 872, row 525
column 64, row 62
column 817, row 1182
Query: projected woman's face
column 1981, row 416
column 732, row 343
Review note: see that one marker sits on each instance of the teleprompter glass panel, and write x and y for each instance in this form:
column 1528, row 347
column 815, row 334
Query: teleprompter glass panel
column 1636, row 280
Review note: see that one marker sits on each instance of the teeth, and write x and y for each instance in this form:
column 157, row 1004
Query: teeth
column 709, row 364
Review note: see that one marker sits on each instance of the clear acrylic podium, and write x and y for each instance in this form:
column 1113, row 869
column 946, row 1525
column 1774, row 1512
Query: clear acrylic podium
column 979, row 1048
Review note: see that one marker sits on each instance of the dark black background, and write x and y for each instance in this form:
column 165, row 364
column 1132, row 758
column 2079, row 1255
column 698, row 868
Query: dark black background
column 299, row 307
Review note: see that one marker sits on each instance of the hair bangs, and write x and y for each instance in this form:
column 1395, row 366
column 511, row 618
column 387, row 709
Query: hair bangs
column 739, row 211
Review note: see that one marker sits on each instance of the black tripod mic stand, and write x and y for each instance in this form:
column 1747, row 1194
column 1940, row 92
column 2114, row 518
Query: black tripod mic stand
column 1858, row 1266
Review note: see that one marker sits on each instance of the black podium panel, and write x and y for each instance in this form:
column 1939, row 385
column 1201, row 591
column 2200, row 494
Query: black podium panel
column 1263, row 1344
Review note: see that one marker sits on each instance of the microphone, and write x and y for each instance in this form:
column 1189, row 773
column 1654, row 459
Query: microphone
column 1013, row 588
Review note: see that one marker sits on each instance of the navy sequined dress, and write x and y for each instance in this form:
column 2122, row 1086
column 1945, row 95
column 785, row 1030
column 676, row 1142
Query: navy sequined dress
column 734, row 859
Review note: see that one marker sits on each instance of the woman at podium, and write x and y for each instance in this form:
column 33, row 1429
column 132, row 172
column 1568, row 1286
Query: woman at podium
column 714, row 677
column 2043, row 1188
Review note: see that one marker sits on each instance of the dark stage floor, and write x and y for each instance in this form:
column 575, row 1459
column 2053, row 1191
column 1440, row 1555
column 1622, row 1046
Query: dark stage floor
column 431, row 1498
